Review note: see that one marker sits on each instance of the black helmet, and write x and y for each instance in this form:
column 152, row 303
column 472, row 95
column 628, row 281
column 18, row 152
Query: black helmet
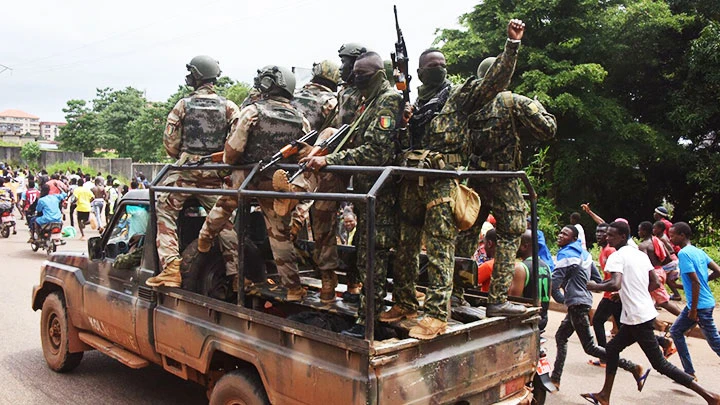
column 352, row 49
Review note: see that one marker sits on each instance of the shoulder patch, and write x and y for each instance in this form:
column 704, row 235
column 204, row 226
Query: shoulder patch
column 386, row 122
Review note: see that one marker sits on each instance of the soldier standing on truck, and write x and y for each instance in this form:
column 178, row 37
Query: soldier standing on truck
column 263, row 128
column 426, row 203
column 495, row 145
column 370, row 142
column 196, row 126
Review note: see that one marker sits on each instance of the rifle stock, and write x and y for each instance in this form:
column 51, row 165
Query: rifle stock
column 321, row 149
column 288, row 150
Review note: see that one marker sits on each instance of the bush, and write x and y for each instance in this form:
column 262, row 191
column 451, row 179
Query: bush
column 30, row 153
column 69, row 166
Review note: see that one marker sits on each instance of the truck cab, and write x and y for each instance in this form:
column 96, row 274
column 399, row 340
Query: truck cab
column 253, row 347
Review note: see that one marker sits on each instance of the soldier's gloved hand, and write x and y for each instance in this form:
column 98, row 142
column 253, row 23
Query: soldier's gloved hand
column 314, row 163
column 303, row 149
column 516, row 29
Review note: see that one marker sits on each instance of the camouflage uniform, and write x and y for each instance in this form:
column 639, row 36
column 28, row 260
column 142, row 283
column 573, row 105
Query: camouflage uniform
column 349, row 102
column 196, row 126
column 425, row 204
column 495, row 145
column 372, row 143
column 316, row 102
column 263, row 128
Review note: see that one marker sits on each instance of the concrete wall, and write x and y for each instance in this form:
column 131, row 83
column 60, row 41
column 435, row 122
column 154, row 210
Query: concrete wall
column 149, row 170
column 12, row 154
column 118, row 167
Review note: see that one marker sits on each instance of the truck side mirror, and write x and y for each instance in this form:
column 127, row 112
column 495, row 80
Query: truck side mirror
column 95, row 250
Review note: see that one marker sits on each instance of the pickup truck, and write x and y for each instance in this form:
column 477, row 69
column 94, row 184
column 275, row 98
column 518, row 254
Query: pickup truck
column 251, row 347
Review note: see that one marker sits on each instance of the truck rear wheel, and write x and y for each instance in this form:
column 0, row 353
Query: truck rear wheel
column 54, row 335
column 239, row 387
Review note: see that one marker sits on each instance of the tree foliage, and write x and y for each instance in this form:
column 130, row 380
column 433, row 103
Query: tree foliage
column 30, row 153
column 125, row 122
column 634, row 86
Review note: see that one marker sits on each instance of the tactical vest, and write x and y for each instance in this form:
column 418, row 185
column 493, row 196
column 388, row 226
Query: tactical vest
column 349, row 102
column 205, row 125
column 494, row 143
column 423, row 114
column 277, row 125
column 310, row 103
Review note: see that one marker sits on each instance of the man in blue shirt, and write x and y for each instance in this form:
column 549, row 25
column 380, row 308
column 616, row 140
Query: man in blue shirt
column 48, row 208
column 694, row 264
column 543, row 251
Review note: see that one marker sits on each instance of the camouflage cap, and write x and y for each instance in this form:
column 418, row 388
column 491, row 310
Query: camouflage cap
column 327, row 70
column 485, row 66
column 352, row 49
column 203, row 67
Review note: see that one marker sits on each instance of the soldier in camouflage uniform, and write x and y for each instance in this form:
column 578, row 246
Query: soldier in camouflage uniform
column 264, row 127
column 494, row 144
column 317, row 101
column 196, row 126
column 371, row 142
column 425, row 204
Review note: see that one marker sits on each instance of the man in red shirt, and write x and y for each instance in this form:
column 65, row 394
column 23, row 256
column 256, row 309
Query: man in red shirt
column 486, row 268
column 661, row 214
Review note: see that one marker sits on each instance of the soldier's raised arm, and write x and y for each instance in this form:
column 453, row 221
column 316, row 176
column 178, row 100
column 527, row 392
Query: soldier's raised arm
column 499, row 74
column 533, row 115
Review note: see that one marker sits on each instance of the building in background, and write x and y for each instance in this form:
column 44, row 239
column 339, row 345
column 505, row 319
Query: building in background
column 50, row 130
column 19, row 123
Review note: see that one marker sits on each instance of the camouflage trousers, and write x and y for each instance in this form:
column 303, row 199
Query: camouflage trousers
column 278, row 227
column 386, row 236
column 324, row 219
column 436, row 227
column 169, row 205
column 504, row 198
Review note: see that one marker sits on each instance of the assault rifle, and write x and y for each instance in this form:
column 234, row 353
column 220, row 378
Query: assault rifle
column 322, row 149
column 288, row 150
column 401, row 70
column 216, row 157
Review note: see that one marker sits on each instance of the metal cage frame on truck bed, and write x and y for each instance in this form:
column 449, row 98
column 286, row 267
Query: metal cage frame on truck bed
column 384, row 176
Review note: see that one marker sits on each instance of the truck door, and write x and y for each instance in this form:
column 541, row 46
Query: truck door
column 110, row 293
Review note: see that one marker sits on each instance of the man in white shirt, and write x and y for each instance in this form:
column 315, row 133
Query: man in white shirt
column 632, row 274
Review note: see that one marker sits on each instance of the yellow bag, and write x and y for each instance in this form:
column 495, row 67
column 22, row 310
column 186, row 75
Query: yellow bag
column 466, row 206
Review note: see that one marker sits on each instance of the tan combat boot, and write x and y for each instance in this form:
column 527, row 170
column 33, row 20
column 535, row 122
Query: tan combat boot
column 428, row 328
column 329, row 283
column 282, row 206
column 296, row 294
column 204, row 245
column 170, row 276
column 397, row 313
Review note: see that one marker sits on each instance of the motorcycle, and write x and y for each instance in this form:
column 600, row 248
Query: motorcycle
column 541, row 382
column 8, row 221
column 48, row 237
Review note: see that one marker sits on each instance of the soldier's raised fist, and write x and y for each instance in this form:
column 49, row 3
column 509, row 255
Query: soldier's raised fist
column 516, row 29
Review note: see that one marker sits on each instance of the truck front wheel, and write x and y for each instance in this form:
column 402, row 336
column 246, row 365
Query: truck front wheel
column 54, row 335
column 239, row 387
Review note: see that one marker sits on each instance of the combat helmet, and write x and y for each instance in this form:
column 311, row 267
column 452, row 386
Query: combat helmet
column 351, row 49
column 327, row 70
column 485, row 66
column 279, row 76
column 203, row 68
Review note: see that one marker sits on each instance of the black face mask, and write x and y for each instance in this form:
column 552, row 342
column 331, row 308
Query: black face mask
column 190, row 80
column 362, row 82
column 346, row 70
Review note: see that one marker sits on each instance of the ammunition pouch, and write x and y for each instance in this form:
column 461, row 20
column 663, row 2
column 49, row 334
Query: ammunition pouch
column 465, row 204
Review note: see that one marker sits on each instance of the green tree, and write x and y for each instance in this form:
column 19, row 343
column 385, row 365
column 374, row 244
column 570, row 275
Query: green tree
column 146, row 133
column 610, row 72
column 82, row 132
column 30, row 153
column 119, row 109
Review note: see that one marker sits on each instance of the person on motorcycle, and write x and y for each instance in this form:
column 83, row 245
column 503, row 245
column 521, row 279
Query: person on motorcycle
column 7, row 199
column 48, row 209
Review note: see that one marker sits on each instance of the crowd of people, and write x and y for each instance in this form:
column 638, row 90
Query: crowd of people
column 41, row 198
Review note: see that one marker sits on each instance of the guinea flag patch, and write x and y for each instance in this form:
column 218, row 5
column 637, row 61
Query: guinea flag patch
column 386, row 122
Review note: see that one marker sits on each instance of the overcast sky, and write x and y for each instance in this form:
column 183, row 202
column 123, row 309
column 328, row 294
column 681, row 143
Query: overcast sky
column 62, row 50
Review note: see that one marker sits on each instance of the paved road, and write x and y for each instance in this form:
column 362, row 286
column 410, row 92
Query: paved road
column 98, row 379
